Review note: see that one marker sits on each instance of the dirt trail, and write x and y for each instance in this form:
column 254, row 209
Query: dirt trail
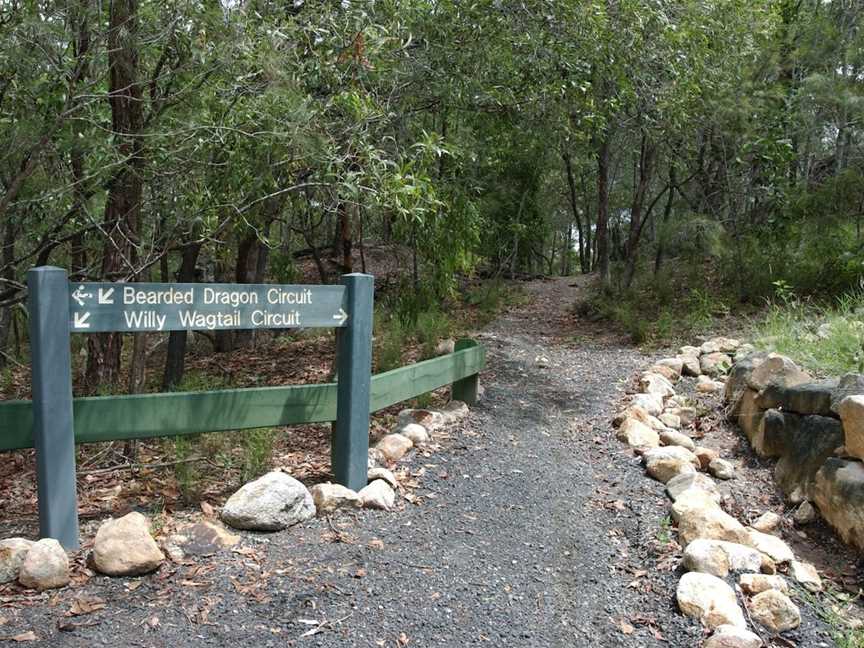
column 534, row 529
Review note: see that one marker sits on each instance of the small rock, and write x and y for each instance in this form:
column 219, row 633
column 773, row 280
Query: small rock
column 394, row 446
column 376, row 459
column 767, row 522
column 430, row 419
column 415, row 432
column 46, row 566
column 709, row 599
column 699, row 516
column 705, row 456
column 679, row 484
column 670, row 420
column 656, row 384
column 775, row 611
column 651, row 403
column 705, row 385
column 721, row 469
column 636, row 434
column 13, row 551
column 720, row 345
column 805, row 574
column 331, row 497
column 744, row 351
column 664, row 463
column 758, row 583
column 273, row 502
column 207, row 538
column 675, row 364
column 690, row 365
column 382, row 473
column 124, row 547
column 797, row 496
column 718, row 558
column 714, row 364
column 444, row 347
column 727, row 636
column 770, row 545
column 378, row 495
column 691, row 351
column 673, row 438
column 455, row 411
column 667, row 372
column 804, row 514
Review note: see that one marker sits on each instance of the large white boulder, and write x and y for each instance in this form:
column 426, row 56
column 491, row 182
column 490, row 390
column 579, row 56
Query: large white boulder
column 273, row 502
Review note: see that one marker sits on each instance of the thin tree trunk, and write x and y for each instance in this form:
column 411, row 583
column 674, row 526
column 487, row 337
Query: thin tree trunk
column 602, row 233
column 667, row 212
column 6, row 313
column 123, row 204
column 175, row 358
column 574, row 207
column 646, row 170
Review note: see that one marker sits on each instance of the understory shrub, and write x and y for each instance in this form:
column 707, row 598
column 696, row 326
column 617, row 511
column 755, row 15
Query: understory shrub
column 826, row 339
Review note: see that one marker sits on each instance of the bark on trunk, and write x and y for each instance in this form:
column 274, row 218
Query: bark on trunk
column 646, row 170
column 175, row 358
column 602, row 233
column 123, row 203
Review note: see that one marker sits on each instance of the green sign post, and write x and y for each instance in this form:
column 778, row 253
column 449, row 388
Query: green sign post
column 58, row 307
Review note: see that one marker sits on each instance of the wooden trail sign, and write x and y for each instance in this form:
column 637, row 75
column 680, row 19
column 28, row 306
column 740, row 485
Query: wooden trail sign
column 58, row 308
column 131, row 307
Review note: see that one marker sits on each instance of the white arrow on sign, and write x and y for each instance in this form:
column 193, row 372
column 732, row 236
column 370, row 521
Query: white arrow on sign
column 79, row 295
column 80, row 320
column 105, row 296
column 342, row 316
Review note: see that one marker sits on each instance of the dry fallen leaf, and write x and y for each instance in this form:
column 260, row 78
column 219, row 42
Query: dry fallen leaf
column 84, row 604
column 626, row 628
column 207, row 509
column 26, row 636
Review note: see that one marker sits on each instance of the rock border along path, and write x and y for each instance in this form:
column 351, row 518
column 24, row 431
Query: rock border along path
column 731, row 583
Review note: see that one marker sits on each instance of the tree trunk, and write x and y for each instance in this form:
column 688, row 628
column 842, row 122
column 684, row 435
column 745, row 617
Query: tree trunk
column 658, row 259
column 123, row 203
column 602, row 233
column 646, row 169
column 244, row 273
column 574, row 207
column 6, row 313
column 175, row 358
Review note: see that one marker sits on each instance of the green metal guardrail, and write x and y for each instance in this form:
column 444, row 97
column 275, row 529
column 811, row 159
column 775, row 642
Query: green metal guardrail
column 142, row 416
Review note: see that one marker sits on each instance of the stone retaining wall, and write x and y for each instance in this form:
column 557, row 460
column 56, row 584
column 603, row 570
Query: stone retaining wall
column 815, row 430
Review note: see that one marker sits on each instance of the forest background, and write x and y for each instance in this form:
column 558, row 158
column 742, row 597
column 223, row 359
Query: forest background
column 699, row 156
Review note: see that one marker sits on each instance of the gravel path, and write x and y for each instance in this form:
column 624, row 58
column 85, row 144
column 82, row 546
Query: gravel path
column 534, row 529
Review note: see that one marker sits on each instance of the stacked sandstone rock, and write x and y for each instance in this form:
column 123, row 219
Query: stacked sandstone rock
column 815, row 428
column 717, row 547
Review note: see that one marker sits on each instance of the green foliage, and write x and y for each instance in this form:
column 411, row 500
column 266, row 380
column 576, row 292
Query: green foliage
column 256, row 452
column 186, row 472
column 390, row 341
column 432, row 327
column 825, row 339
column 661, row 310
column 837, row 609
